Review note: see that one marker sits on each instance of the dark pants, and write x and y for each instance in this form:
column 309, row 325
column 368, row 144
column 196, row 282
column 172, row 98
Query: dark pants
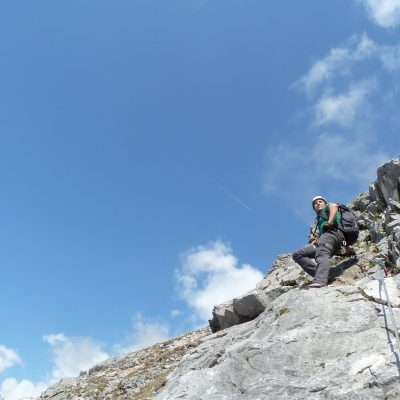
column 315, row 259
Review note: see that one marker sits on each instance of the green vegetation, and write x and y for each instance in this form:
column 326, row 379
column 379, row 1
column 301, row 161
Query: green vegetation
column 281, row 311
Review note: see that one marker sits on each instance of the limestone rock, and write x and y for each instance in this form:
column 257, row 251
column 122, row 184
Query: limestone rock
column 361, row 202
column 374, row 193
column 393, row 224
column 225, row 316
column 388, row 181
column 377, row 231
column 241, row 309
column 312, row 344
column 251, row 304
column 394, row 206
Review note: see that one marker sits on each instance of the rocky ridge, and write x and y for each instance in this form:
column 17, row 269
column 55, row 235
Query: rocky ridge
column 137, row 376
column 279, row 340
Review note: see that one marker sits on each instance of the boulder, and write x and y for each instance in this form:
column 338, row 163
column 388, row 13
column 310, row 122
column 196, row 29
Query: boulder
column 394, row 206
column 375, row 290
column 395, row 223
column 372, row 208
column 224, row 316
column 388, row 181
column 377, row 231
column 375, row 194
column 396, row 235
column 251, row 304
column 360, row 202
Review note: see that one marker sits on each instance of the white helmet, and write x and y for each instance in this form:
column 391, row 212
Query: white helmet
column 317, row 198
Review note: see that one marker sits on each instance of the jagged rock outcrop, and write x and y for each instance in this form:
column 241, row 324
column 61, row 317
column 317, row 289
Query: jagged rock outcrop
column 378, row 216
column 281, row 341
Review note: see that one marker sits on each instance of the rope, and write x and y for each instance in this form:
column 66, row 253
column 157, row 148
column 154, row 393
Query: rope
column 382, row 282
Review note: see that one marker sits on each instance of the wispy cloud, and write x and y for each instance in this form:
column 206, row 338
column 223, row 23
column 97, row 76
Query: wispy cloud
column 338, row 61
column 390, row 58
column 73, row 354
column 384, row 13
column 146, row 332
column 351, row 97
column 8, row 358
column 297, row 173
column 176, row 313
column 346, row 159
column 210, row 275
column 347, row 108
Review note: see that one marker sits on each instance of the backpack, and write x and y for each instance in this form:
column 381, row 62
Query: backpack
column 348, row 225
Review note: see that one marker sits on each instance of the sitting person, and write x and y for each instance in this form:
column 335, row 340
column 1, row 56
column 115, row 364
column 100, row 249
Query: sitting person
column 314, row 258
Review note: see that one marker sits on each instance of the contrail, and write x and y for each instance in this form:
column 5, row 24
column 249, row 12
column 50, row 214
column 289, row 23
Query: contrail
column 230, row 194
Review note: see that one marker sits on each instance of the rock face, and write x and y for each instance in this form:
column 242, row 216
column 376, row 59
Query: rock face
column 281, row 341
column 334, row 343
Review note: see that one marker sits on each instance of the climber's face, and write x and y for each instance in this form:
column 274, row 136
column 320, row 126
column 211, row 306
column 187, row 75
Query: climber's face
column 319, row 204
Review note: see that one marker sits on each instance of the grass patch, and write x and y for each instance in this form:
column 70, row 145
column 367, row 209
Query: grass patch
column 281, row 311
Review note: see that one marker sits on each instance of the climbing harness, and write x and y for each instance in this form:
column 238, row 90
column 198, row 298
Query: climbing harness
column 383, row 273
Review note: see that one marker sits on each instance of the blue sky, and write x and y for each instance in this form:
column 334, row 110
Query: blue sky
column 155, row 158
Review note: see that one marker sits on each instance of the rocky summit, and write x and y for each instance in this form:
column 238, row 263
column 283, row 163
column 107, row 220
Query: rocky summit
column 280, row 340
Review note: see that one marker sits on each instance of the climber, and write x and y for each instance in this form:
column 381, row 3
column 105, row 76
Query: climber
column 314, row 258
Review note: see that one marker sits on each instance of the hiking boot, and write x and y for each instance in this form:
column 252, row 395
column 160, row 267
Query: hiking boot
column 315, row 285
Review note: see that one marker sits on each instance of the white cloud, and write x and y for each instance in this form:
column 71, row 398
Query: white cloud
column 328, row 163
column 385, row 13
column 210, row 275
column 8, row 358
column 73, row 354
column 11, row 389
column 390, row 57
column 145, row 333
column 338, row 61
column 352, row 114
column 344, row 109
column 345, row 158
column 176, row 313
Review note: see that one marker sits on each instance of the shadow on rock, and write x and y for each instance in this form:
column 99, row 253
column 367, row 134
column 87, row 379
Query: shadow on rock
column 338, row 269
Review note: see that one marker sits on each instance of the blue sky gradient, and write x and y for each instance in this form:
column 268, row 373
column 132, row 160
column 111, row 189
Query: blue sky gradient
column 155, row 158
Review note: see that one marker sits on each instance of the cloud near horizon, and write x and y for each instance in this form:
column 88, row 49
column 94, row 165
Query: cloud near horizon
column 209, row 275
column 8, row 358
column 73, row 354
column 11, row 389
column 146, row 332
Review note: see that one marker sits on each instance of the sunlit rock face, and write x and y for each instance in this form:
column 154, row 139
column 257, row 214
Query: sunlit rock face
column 279, row 340
column 332, row 343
